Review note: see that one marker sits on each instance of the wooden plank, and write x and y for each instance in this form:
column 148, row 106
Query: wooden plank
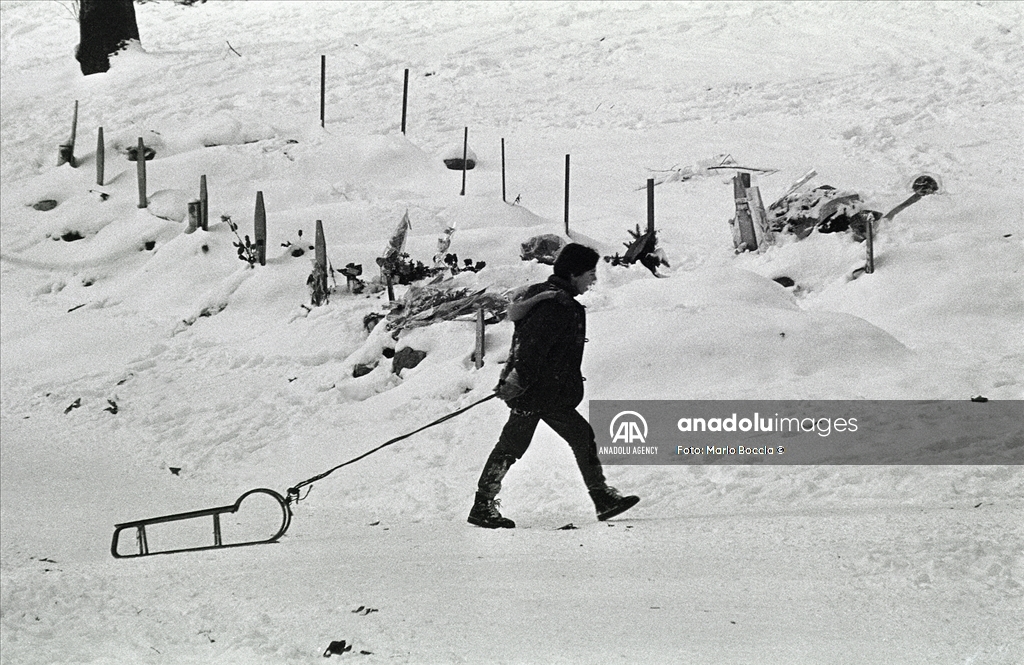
column 479, row 355
column 260, row 229
column 140, row 170
column 759, row 216
column 320, row 245
column 100, row 156
column 745, row 223
column 204, row 211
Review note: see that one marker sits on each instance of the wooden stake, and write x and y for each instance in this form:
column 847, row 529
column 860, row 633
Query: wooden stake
column 66, row 150
column 465, row 156
column 650, row 205
column 100, row 156
column 140, row 170
column 503, row 170
column 748, row 240
column 204, row 201
column 195, row 215
column 479, row 355
column 320, row 246
column 405, row 98
column 260, row 229
column 567, row 195
column 323, row 85
column 870, row 267
column 391, row 288
column 74, row 125
column 320, row 271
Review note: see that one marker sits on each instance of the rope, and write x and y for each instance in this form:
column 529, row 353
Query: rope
column 293, row 492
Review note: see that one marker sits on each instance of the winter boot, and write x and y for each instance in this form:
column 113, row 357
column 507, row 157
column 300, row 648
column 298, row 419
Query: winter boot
column 610, row 503
column 485, row 513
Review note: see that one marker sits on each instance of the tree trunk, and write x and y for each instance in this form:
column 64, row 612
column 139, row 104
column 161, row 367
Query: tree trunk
column 104, row 26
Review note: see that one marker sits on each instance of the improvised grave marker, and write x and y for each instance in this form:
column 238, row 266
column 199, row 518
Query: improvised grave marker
column 405, row 98
column 100, row 156
column 260, row 229
column 869, row 238
column 195, row 215
column 465, row 157
column 567, row 195
column 320, row 246
column 479, row 354
column 319, row 276
column 760, row 217
column 140, row 170
column 323, row 85
column 204, row 212
column 66, row 150
column 744, row 221
column 650, row 205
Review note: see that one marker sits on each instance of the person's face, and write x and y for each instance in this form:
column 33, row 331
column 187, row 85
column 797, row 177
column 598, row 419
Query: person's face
column 583, row 282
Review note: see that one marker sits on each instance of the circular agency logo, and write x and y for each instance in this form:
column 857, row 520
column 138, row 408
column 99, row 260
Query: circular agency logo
column 628, row 427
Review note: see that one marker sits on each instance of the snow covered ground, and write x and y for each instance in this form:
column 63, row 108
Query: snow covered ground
column 226, row 375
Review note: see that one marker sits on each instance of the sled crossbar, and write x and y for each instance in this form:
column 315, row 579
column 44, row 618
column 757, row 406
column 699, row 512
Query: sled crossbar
column 218, row 541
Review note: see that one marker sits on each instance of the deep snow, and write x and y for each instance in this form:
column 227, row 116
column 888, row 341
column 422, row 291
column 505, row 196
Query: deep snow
column 220, row 371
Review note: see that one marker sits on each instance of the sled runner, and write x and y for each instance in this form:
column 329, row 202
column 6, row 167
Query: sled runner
column 218, row 540
column 282, row 502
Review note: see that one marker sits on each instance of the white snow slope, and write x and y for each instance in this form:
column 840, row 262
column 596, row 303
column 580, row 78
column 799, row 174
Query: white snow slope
column 225, row 373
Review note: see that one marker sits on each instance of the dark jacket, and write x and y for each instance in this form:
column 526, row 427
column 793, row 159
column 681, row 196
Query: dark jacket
column 547, row 350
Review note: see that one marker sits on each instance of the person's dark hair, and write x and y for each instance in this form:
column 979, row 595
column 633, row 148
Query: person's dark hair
column 574, row 260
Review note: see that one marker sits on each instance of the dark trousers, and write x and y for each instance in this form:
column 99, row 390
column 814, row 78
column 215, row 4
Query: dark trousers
column 518, row 433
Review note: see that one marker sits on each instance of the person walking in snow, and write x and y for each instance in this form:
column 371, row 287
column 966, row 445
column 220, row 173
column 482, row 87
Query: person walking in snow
column 542, row 381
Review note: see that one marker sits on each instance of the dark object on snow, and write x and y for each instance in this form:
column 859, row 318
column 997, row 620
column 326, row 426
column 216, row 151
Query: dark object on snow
column 403, row 269
column 925, row 185
column 568, row 527
column 455, row 164
column 468, row 265
column 113, row 406
column 105, row 26
column 363, row 610
column 371, row 320
column 352, row 272
column 643, row 248
column 338, row 647
column 133, row 153
column 319, row 290
column 363, row 369
column 543, row 249
column 785, row 281
column 175, row 470
column 979, row 399
column 45, row 204
column 74, row 405
column 406, row 358
column 71, row 236
column 824, row 208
